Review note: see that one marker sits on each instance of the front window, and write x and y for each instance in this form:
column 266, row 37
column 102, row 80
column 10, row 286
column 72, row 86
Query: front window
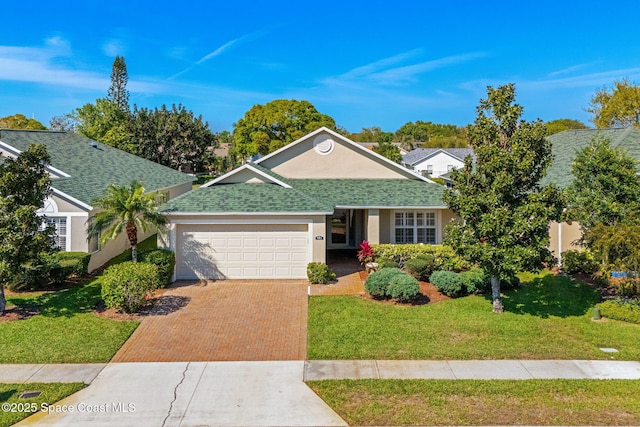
column 415, row 227
column 60, row 235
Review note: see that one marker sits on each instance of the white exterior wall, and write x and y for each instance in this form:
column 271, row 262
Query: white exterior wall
column 440, row 163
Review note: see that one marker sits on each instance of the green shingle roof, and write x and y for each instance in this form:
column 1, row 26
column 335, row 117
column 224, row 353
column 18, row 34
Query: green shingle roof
column 91, row 169
column 373, row 192
column 246, row 198
column 566, row 144
column 308, row 195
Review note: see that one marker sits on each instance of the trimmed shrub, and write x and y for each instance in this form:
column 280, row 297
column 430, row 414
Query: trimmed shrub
column 444, row 256
column 387, row 263
column 33, row 275
column 378, row 281
column 506, row 284
column 420, row 267
column 627, row 310
column 164, row 259
column 475, row 281
column 403, row 287
column 127, row 285
column 447, row 282
column 579, row 262
column 320, row 273
column 73, row 262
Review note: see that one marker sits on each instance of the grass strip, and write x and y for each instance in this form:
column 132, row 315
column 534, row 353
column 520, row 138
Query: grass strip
column 15, row 409
column 475, row 402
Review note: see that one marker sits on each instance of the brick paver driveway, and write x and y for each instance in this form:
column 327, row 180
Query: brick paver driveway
column 223, row 320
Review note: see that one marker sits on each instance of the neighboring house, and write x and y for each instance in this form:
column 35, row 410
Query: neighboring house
column 565, row 146
column 81, row 170
column 435, row 162
column 270, row 218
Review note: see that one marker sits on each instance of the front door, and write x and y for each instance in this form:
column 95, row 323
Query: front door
column 342, row 228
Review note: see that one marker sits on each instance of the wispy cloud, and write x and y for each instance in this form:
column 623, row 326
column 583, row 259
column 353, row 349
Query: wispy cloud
column 384, row 71
column 41, row 65
column 225, row 47
column 569, row 69
column 113, row 48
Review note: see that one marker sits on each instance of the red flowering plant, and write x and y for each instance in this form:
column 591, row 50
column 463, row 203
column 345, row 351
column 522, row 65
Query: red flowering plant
column 365, row 254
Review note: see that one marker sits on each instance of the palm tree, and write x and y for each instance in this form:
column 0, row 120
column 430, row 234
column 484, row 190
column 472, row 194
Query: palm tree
column 128, row 208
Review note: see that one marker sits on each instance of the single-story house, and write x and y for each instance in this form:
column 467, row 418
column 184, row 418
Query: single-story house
column 271, row 217
column 435, row 162
column 81, row 170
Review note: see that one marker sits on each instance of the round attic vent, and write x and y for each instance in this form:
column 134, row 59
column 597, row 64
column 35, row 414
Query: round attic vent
column 323, row 144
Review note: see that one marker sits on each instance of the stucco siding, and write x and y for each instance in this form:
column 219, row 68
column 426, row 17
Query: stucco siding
column 344, row 161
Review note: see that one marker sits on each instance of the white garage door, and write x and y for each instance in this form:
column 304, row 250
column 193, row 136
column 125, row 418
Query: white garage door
column 274, row 251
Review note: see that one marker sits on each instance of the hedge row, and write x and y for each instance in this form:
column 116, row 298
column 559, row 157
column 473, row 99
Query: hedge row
column 444, row 258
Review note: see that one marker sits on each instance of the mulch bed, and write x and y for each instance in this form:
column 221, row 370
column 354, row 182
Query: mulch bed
column 428, row 295
column 19, row 313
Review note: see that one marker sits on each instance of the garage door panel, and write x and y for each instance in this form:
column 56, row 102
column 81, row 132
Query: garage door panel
column 242, row 251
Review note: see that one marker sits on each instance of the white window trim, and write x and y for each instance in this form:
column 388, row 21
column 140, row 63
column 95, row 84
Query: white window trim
column 437, row 220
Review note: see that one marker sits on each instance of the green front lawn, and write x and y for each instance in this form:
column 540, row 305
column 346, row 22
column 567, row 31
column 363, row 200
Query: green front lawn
column 472, row 402
column 549, row 317
column 65, row 331
column 15, row 409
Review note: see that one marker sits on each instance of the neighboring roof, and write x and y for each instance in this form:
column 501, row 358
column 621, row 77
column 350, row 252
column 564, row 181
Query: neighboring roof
column 91, row 169
column 566, row 144
column 420, row 154
column 308, row 196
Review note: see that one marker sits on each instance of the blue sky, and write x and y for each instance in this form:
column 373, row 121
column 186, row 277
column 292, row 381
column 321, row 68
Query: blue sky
column 365, row 63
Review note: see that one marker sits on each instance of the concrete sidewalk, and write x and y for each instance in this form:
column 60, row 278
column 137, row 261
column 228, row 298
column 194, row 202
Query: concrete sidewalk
column 268, row 393
column 471, row 369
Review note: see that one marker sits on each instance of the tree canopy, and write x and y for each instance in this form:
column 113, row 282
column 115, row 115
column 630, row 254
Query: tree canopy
column 560, row 125
column 389, row 151
column 24, row 185
column 428, row 134
column 606, row 188
column 118, row 93
column 372, row 134
column 505, row 213
column 20, row 121
column 172, row 137
column 616, row 107
column 266, row 128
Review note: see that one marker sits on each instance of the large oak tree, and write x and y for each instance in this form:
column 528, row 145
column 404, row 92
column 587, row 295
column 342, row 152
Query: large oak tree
column 265, row 128
column 505, row 212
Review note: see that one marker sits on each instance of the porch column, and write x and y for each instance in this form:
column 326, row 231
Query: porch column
column 373, row 225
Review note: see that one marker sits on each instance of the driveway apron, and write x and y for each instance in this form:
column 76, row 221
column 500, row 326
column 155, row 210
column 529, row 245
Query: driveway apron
column 230, row 320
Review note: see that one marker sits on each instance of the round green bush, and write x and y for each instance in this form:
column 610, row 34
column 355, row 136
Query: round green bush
column 319, row 273
column 627, row 310
column 164, row 259
column 387, row 263
column 378, row 281
column 420, row 267
column 127, row 285
column 447, row 282
column 475, row 281
column 575, row 261
column 403, row 287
